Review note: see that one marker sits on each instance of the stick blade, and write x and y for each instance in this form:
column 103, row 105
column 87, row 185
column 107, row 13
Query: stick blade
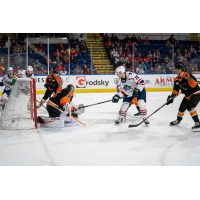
column 133, row 125
column 90, row 123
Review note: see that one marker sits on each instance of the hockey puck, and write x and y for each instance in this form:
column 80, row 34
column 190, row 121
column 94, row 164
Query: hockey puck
column 13, row 121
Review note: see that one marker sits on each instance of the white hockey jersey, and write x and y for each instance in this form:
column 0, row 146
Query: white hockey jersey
column 7, row 81
column 22, row 74
column 132, row 81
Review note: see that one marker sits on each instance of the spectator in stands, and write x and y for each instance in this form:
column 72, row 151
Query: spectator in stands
column 116, row 61
column 88, row 71
column 2, row 60
column 106, row 38
column 41, row 48
column 131, row 58
column 61, row 48
column 136, row 64
column 23, row 47
column 73, row 52
column 139, row 58
column 108, row 43
column 66, row 58
column 186, row 53
column 136, row 52
column 139, row 41
column 128, row 64
column 143, row 65
column 4, row 39
column 168, row 44
column 120, row 62
column 139, row 69
column 177, row 51
column 133, row 39
column 17, row 48
column 120, row 53
column 125, row 48
column 113, row 55
column 193, row 63
column 18, row 59
column 150, row 54
column 84, row 69
column 129, row 43
column 151, row 71
column 60, row 68
column 172, row 40
column 185, row 62
column 93, row 70
column 171, row 64
column 157, row 53
column 55, row 54
column 180, row 57
column 168, row 69
column 74, row 42
column 51, row 70
column 126, row 39
column 114, row 38
column 135, row 44
column 1, row 44
column 147, row 59
column 42, row 71
column 192, row 49
column 159, row 70
column 81, row 38
column 169, row 53
column 110, row 49
column 146, row 41
column 198, row 50
column 154, row 60
column 84, row 48
column 118, row 47
column 128, row 53
column 38, row 65
column 175, row 58
column 77, row 49
column 164, row 72
column 73, row 59
column 77, row 69
column 166, row 59
column 124, row 58
column 185, row 56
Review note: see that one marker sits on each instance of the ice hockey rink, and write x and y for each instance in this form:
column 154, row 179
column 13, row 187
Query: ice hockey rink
column 104, row 143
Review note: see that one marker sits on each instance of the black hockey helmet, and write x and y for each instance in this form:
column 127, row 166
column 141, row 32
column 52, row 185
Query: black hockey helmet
column 55, row 71
column 181, row 66
column 70, row 86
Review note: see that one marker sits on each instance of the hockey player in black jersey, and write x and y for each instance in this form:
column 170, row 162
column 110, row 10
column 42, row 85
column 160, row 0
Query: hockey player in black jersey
column 188, row 85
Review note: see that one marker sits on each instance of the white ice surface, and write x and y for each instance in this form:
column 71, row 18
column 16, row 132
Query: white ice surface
column 105, row 143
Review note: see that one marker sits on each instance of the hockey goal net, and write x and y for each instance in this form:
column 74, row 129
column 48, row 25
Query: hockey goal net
column 20, row 110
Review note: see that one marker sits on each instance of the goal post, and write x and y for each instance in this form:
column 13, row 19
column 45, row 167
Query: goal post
column 20, row 111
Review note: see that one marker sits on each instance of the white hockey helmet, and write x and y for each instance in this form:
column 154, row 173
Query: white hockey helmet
column 10, row 69
column 29, row 69
column 119, row 69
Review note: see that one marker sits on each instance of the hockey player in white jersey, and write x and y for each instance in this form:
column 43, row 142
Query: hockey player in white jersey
column 130, row 86
column 27, row 74
column 8, row 81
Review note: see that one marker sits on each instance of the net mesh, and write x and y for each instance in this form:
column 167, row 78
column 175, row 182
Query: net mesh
column 18, row 111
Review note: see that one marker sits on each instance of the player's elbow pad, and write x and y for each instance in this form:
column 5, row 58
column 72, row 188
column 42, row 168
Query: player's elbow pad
column 1, row 84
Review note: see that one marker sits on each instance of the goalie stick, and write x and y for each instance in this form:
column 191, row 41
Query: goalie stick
column 135, row 125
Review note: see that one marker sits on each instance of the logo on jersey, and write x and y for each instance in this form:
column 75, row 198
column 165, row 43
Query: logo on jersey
column 126, row 87
column 80, row 81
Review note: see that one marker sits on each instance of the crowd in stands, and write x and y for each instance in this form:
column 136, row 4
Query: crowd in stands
column 74, row 53
column 151, row 60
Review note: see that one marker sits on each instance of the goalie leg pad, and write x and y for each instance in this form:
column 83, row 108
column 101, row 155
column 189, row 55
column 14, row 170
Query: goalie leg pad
column 50, row 122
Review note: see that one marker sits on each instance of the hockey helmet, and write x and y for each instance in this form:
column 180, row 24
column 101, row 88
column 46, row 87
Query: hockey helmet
column 70, row 86
column 181, row 66
column 119, row 69
column 55, row 71
column 29, row 68
column 10, row 69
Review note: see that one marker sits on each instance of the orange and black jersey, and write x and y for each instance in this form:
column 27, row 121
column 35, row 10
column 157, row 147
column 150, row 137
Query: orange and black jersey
column 54, row 84
column 61, row 98
column 187, row 84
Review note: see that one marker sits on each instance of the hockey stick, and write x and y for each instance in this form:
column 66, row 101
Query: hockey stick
column 100, row 102
column 135, row 125
column 42, row 104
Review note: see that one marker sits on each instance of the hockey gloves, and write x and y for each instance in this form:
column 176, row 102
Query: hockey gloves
column 135, row 92
column 116, row 98
column 1, row 84
column 170, row 99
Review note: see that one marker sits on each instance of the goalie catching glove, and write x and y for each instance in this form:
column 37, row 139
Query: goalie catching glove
column 170, row 99
column 116, row 98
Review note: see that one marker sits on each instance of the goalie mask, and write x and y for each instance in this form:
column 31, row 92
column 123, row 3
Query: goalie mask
column 70, row 86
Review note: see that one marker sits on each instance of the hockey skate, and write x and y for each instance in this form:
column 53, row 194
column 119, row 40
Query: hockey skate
column 120, row 119
column 175, row 122
column 196, row 128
